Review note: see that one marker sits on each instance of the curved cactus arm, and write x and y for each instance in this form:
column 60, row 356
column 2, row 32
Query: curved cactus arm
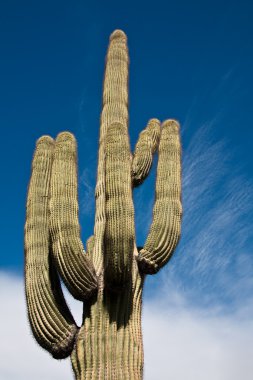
column 164, row 233
column 51, row 321
column 74, row 266
column 115, row 109
column 119, row 230
column 144, row 150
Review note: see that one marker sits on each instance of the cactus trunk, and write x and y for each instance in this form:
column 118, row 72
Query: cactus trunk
column 109, row 343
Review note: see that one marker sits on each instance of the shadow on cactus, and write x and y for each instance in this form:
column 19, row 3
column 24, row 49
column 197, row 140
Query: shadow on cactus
column 108, row 277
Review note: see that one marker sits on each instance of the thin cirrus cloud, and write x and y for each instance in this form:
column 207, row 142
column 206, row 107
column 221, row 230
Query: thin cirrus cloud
column 213, row 257
column 87, row 201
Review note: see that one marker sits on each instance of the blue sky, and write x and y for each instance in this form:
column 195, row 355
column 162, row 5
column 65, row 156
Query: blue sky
column 188, row 60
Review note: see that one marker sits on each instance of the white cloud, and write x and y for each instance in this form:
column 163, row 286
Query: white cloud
column 21, row 357
column 180, row 341
column 186, row 344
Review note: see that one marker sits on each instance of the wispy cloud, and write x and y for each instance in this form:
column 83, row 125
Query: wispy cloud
column 87, row 199
column 217, row 222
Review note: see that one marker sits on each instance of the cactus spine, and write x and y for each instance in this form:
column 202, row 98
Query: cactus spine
column 109, row 276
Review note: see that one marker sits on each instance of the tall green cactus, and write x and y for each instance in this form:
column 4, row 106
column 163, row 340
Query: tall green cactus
column 109, row 277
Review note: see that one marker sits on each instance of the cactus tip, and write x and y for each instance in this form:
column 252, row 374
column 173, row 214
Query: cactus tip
column 154, row 124
column 63, row 349
column 154, row 121
column 170, row 122
column 45, row 139
column 65, row 136
column 118, row 34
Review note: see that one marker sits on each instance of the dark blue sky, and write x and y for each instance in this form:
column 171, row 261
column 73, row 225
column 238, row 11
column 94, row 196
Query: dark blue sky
column 188, row 60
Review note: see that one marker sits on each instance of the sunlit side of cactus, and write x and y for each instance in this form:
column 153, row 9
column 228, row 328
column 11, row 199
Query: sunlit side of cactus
column 109, row 276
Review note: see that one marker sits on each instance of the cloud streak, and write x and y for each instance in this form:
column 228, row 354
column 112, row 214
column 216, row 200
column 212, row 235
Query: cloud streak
column 217, row 223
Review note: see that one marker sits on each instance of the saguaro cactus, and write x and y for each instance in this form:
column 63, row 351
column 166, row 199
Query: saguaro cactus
column 109, row 276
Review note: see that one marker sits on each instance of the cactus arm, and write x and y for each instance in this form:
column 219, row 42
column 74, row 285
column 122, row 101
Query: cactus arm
column 119, row 230
column 115, row 109
column 164, row 233
column 51, row 321
column 144, row 150
column 75, row 268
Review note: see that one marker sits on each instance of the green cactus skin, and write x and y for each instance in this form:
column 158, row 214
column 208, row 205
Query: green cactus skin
column 108, row 277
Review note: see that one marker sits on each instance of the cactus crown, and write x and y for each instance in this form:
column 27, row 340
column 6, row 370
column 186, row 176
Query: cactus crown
column 53, row 247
